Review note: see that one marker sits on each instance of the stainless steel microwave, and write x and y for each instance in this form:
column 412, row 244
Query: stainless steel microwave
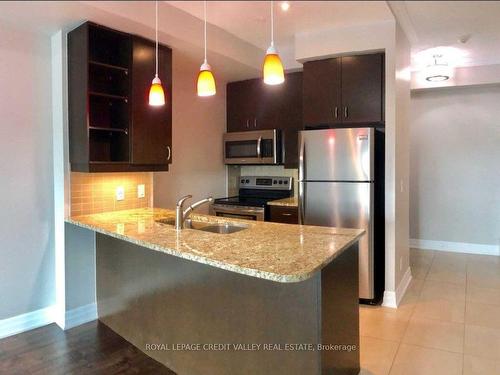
column 253, row 147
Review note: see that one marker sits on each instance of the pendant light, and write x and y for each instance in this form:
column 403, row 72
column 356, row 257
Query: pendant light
column 206, row 80
column 272, row 69
column 438, row 71
column 156, row 94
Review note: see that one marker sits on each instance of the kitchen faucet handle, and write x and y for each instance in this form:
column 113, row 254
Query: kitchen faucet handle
column 181, row 201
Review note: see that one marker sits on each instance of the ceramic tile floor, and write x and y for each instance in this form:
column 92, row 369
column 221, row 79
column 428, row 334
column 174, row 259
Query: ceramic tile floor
column 448, row 322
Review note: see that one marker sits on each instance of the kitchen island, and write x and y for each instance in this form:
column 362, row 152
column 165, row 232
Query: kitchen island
column 268, row 299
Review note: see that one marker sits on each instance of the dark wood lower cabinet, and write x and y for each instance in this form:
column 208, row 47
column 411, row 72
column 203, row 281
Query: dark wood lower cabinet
column 285, row 215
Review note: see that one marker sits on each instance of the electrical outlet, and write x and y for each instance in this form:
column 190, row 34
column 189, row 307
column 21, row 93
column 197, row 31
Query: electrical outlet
column 141, row 191
column 120, row 193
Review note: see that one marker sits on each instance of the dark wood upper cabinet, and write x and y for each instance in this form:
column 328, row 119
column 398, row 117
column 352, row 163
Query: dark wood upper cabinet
column 253, row 105
column 111, row 126
column 151, row 134
column 344, row 91
column 362, row 89
column 322, row 104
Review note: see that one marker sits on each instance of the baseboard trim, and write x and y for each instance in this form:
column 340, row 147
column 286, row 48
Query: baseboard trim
column 80, row 315
column 455, row 247
column 25, row 322
column 393, row 299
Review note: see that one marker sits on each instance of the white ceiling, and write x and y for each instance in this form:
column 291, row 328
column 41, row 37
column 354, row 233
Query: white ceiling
column 239, row 31
column 250, row 20
column 432, row 24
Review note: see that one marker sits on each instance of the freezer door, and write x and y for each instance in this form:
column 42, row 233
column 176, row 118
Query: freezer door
column 336, row 154
column 343, row 205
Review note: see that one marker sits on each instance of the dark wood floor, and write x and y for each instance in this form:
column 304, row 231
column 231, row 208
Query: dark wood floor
column 91, row 348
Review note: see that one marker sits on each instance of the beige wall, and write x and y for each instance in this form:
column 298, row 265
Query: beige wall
column 455, row 165
column 198, row 124
column 26, row 190
column 402, row 156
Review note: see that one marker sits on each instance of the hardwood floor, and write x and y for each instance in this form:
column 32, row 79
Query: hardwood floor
column 91, row 348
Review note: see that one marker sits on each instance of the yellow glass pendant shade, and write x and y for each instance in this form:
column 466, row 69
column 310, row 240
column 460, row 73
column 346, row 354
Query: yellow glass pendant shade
column 272, row 70
column 206, row 81
column 156, row 94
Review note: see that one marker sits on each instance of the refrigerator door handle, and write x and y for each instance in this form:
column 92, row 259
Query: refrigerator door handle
column 302, row 203
column 302, row 158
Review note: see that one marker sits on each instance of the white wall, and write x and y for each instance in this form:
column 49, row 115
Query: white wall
column 198, row 124
column 455, row 165
column 26, row 190
column 401, row 161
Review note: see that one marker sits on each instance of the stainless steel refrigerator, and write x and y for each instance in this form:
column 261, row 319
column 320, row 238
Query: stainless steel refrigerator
column 338, row 187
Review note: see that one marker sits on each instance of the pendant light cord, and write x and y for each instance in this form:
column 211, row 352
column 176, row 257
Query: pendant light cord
column 156, row 30
column 272, row 23
column 205, row 27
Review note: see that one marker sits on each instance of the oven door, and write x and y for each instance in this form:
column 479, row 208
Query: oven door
column 238, row 212
column 252, row 147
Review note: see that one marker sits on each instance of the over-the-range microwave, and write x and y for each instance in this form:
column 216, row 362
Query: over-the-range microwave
column 253, row 147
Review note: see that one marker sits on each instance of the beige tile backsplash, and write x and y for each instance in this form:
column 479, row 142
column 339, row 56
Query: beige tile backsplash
column 96, row 192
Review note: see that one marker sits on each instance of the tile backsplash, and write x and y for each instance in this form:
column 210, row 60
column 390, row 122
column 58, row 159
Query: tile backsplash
column 235, row 171
column 96, row 192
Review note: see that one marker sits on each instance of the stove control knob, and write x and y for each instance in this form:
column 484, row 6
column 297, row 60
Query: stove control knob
column 247, row 181
column 242, row 181
column 275, row 182
column 280, row 182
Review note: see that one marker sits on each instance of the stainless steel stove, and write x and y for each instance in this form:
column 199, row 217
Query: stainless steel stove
column 254, row 193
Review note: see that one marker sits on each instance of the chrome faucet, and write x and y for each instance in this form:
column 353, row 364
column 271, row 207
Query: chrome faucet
column 181, row 215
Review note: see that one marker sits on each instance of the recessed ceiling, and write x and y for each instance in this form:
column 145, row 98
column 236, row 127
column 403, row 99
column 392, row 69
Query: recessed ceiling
column 444, row 23
column 250, row 20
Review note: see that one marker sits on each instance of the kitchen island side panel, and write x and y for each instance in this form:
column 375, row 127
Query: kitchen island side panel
column 151, row 298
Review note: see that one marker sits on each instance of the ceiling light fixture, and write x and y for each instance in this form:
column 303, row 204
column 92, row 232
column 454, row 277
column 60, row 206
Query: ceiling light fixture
column 438, row 71
column 285, row 5
column 272, row 69
column 156, row 94
column 206, row 80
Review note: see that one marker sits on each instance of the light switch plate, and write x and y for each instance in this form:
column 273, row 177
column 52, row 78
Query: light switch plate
column 120, row 193
column 141, row 191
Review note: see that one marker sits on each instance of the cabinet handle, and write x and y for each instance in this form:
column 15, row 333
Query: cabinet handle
column 255, row 122
column 336, row 112
column 346, row 112
column 286, row 214
column 248, row 123
column 169, row 153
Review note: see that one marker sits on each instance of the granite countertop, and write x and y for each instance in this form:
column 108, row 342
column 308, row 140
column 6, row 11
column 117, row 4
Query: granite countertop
column 285, row 202
column 278, row 252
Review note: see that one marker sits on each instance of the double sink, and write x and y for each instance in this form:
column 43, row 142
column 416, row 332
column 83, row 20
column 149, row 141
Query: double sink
column 219, row 228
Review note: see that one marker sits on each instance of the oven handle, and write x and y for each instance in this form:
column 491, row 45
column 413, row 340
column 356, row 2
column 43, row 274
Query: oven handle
column 259, row 143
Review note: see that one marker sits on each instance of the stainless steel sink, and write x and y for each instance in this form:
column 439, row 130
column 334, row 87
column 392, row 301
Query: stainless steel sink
column 220, row 228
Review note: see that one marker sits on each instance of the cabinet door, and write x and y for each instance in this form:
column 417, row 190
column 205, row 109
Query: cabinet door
column 290, row 117
column 151, row 130
column 321, row 92
column 362, row 89
column 241, row 101
column 286, row 215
